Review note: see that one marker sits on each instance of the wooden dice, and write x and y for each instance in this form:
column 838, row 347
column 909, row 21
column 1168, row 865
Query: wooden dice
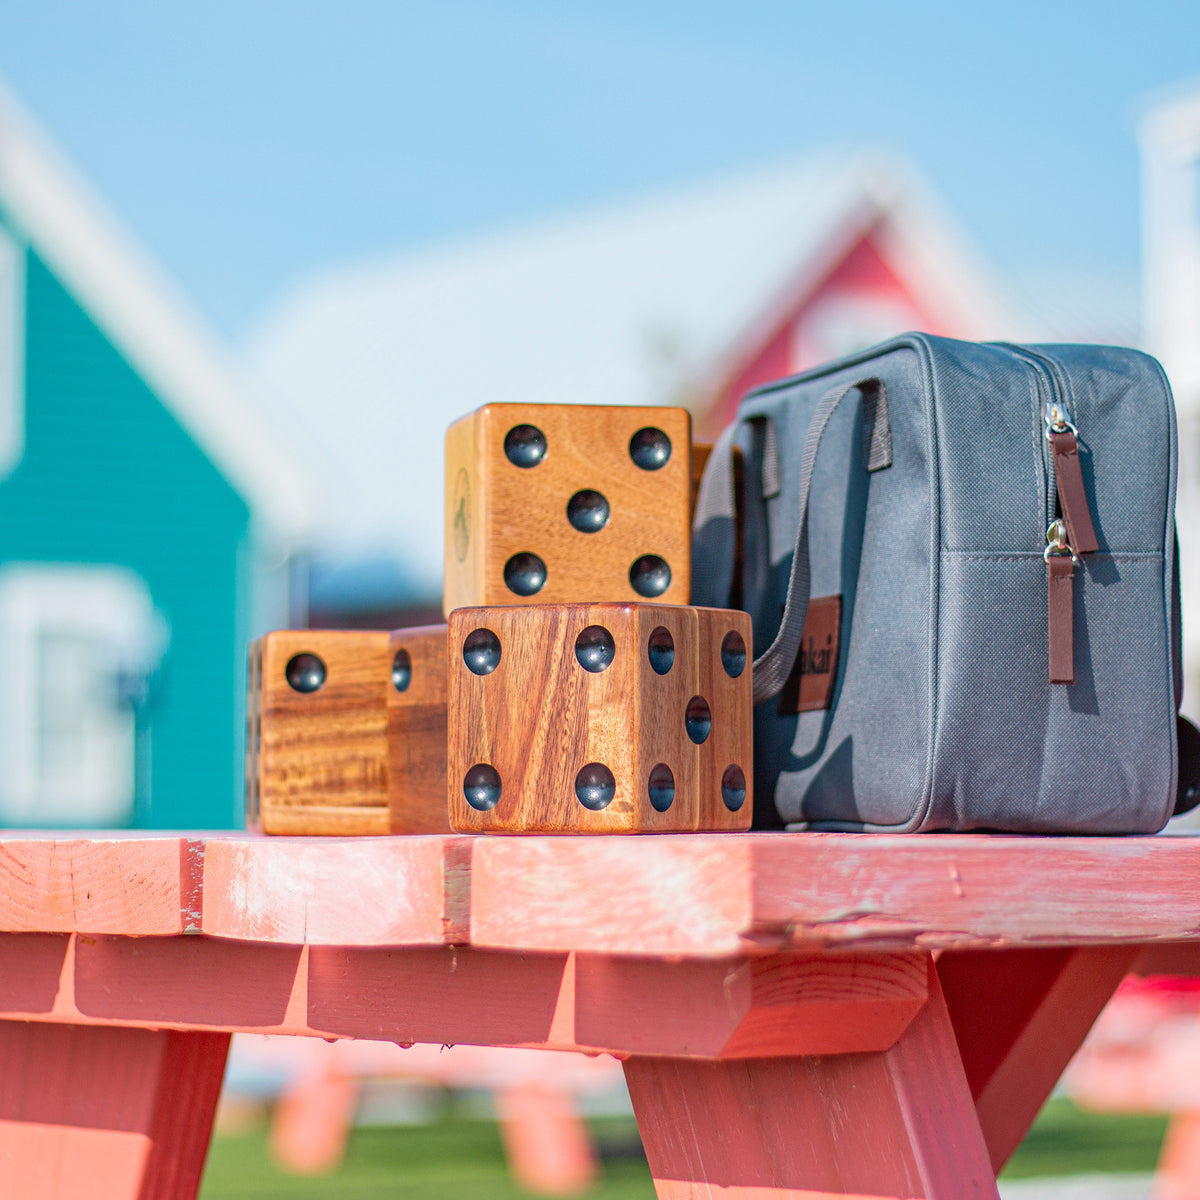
column 599, row 718
column 416, row 730
column 346, row 732
column 316, row 755
column 559, row 503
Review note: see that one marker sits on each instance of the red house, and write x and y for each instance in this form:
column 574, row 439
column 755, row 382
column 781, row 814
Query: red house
column 889, row 261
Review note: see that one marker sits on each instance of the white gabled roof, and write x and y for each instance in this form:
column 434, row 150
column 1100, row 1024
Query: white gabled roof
column 636, row 304
column 127, row 297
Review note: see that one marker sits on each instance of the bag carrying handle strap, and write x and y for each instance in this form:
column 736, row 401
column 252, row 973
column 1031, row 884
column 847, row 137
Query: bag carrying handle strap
column 772, row 668
column 712, row 526
column 715, row 536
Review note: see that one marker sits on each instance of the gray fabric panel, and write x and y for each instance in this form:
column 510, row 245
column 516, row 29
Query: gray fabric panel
column 989, row 429
column 1016, row 752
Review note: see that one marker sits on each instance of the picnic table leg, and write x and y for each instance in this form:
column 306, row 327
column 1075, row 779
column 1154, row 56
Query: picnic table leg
column 895, row 1123
column 105, row 1113
column 310, row 1127
column 546, row 1142
column 1178, row 1175
column 1019, row 1016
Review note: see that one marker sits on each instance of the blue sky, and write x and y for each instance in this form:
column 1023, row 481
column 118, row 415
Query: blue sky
column 248, row 144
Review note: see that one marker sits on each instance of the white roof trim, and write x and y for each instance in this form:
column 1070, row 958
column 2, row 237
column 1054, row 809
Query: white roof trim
column 142, row 315
column 925, row 245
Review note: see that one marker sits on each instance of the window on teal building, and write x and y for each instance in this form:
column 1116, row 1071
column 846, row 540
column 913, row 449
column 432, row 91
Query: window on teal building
column 82, row 644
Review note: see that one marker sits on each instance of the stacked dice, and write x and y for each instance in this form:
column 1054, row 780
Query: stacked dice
column 574, row 690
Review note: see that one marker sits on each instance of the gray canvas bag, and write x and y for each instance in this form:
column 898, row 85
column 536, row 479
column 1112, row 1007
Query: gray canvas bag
column 960, row 563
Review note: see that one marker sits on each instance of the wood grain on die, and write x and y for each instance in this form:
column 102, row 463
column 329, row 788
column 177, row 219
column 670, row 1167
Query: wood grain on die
column 322, row 755
column 496, row 509
column 416, row 730
column 726, row 763
column 665, row 634
column 540, row 717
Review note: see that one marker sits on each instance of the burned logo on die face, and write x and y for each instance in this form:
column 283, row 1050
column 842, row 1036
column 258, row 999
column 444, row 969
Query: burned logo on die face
column 462, row 514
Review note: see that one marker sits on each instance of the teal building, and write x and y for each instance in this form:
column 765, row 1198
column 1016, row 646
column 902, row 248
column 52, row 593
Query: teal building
column 148, row 524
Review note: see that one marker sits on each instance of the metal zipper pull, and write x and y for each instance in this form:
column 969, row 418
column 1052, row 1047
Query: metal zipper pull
column 1072, row 498
column 1060, row 592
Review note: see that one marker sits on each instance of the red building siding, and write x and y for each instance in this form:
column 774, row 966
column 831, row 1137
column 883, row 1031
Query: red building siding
column 859, row 301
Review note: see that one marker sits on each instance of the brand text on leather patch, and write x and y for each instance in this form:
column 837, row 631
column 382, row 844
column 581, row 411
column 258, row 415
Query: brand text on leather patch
column 810, row 686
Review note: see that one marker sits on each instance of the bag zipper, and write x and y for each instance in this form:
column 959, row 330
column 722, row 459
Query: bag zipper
column 1070, row 531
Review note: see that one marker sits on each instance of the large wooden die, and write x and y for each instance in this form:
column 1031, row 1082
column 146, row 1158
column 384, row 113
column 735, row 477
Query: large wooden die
column 316, row 736
column 599, row 718
column 346, row 732
column 561, row 503
column 416, row 730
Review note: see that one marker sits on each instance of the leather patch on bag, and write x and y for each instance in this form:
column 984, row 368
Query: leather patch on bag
column 810, row 686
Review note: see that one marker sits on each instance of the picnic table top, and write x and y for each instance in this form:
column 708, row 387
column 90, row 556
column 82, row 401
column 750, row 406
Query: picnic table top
column 684, row 895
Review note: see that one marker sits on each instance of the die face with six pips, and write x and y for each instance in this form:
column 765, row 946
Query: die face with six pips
column 551, row 503
column 600, row 718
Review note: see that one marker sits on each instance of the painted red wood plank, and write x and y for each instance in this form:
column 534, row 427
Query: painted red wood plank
column 784, row 1005
column 31, row 965
column 110, row 1114
column 337, row 891
column 975, row 890
column 139, row 886
column 788, row 1004
column 184, row 982
column 448, row 995
column 187, row 981
column 667, row 894
column 715, row 895
column 1019, row 1016
column 897, row 1123
column 1168, row 958
column 436, row 995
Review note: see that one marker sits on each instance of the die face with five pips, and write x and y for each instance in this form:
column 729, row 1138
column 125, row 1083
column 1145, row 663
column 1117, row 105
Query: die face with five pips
column 549, row 503
column 601, row 718
column 346, row 732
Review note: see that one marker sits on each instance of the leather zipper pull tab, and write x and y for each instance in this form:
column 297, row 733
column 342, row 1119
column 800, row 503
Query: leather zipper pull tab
column 1060, row 592
column 1072, row 498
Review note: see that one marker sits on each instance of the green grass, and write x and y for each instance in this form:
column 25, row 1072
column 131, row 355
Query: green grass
column 451, row 1158
column 457, row 1157
column 1066, row 1140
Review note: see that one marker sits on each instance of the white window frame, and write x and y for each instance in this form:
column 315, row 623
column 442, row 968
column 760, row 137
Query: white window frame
column 107, row 611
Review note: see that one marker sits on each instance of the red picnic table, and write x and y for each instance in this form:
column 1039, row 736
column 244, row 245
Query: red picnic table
column 802, row 1015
